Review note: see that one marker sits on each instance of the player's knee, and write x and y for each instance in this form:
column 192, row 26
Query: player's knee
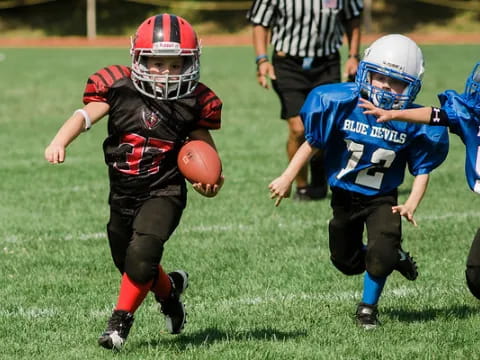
column 143, row 256
column 354, row 267
column 381, row 261
column 472, row 275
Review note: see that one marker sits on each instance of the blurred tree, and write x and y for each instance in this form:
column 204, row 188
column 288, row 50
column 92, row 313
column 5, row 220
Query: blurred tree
column 121, row 17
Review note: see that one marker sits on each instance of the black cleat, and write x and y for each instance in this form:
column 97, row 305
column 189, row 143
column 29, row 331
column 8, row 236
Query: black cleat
column 367, row 316
column 173, row 308
column 406, row 265
column 309, row 193
column 117, row 330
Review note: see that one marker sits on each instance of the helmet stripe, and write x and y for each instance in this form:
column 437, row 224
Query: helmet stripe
column 175, row 29
column 158, row 34
column 166, row 28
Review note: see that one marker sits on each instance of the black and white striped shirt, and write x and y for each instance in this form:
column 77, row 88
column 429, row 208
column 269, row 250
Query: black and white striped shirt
column 305, row 28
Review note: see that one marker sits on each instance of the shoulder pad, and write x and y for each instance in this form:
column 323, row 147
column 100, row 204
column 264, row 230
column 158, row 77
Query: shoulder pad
column 100, row 82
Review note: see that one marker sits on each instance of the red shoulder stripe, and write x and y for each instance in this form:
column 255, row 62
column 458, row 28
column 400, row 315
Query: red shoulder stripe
column 100, row 82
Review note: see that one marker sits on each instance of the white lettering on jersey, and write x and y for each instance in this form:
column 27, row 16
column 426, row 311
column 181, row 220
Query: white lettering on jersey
column 375, row 131
column 356, row 127
column 388, row 135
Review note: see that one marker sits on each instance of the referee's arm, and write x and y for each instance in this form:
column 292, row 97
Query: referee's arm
column 353, row 36
column 264, row 67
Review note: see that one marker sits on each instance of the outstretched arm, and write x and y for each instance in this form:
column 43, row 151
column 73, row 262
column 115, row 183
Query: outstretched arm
column 281, row 186
column 419, row 188
column 420, row 115
column 80, row 121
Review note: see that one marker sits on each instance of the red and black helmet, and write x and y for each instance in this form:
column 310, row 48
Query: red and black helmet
column 165, row 35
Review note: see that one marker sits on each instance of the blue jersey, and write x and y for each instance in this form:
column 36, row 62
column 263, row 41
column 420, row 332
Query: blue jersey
column 362, row 155
column 464, row 121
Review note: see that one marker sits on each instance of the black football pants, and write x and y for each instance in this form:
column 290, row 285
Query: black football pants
column 351, row 213
column 137, row 232
column 472, row 272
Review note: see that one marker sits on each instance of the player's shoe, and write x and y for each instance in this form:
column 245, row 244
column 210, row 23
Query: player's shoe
column 173, row 308
column 367, row 316
column 406, row 265
column 309, row 193
column 117, row 330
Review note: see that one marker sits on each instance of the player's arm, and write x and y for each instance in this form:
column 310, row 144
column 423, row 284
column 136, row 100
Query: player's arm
column 419, row 188
column 204, row 135
column 80, row 121
column 421, row 115
column 264, row 66
column 208, row 190
column 353, row 36
column 280, row 187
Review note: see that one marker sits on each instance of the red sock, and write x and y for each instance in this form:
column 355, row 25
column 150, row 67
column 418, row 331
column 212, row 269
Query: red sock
column 163, row 286
column 131, row 294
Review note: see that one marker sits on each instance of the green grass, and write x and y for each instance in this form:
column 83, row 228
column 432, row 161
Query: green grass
column 262, row 286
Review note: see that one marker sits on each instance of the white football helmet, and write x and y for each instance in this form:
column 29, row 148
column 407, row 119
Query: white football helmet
column 398, row 57
column 472, row 87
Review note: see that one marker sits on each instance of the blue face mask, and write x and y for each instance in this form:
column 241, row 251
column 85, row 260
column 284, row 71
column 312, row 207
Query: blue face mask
column 472, row 87
column 385, row 99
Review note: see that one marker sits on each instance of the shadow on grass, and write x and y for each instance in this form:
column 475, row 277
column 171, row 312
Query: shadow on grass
column 431, row 314
column 211, row 336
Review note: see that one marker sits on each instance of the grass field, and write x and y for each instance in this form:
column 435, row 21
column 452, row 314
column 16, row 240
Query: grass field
column 262, row 285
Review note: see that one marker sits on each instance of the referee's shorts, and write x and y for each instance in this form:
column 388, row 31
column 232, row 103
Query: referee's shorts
column 294, row 82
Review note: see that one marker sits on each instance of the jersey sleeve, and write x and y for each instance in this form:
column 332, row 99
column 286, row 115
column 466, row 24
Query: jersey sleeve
column 428, row 150
column 326, row 106
column 455, row 107
column 262, row 12
column 353, row 8
column 210, row 108
column 99, row 83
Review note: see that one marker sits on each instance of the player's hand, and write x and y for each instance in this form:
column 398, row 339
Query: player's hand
column 264, row 71
column 370, row 109
column 55, row 153
column 351, row 67
column 280, row 188
column 406, row 212
column 209, row 190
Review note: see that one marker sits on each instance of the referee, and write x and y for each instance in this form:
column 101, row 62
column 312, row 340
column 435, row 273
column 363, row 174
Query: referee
column 306, row 37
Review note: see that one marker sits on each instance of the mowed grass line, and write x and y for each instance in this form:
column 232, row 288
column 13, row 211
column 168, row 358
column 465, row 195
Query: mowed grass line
column 262, row 285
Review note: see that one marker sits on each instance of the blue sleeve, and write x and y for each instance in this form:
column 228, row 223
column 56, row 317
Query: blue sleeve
column 428, row 150
column 326, row 106
column 457, row 108
column 448, row 102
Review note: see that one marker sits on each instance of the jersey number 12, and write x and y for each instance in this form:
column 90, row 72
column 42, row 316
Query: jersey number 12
column 372, row 177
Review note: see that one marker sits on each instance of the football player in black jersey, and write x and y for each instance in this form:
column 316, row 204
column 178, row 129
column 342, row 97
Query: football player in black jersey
column 152, row 107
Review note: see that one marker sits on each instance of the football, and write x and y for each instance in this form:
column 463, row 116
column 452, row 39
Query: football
column 199, row 162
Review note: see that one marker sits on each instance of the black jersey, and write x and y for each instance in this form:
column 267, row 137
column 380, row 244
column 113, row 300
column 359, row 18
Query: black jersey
column 144, row 134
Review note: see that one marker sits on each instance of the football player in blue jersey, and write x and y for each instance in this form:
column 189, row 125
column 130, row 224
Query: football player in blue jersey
column 461, row 113
column 366, row 162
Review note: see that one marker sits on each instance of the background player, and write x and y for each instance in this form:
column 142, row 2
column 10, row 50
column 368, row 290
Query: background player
column 461, row 113
column 365, row 163
column 153, row 107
